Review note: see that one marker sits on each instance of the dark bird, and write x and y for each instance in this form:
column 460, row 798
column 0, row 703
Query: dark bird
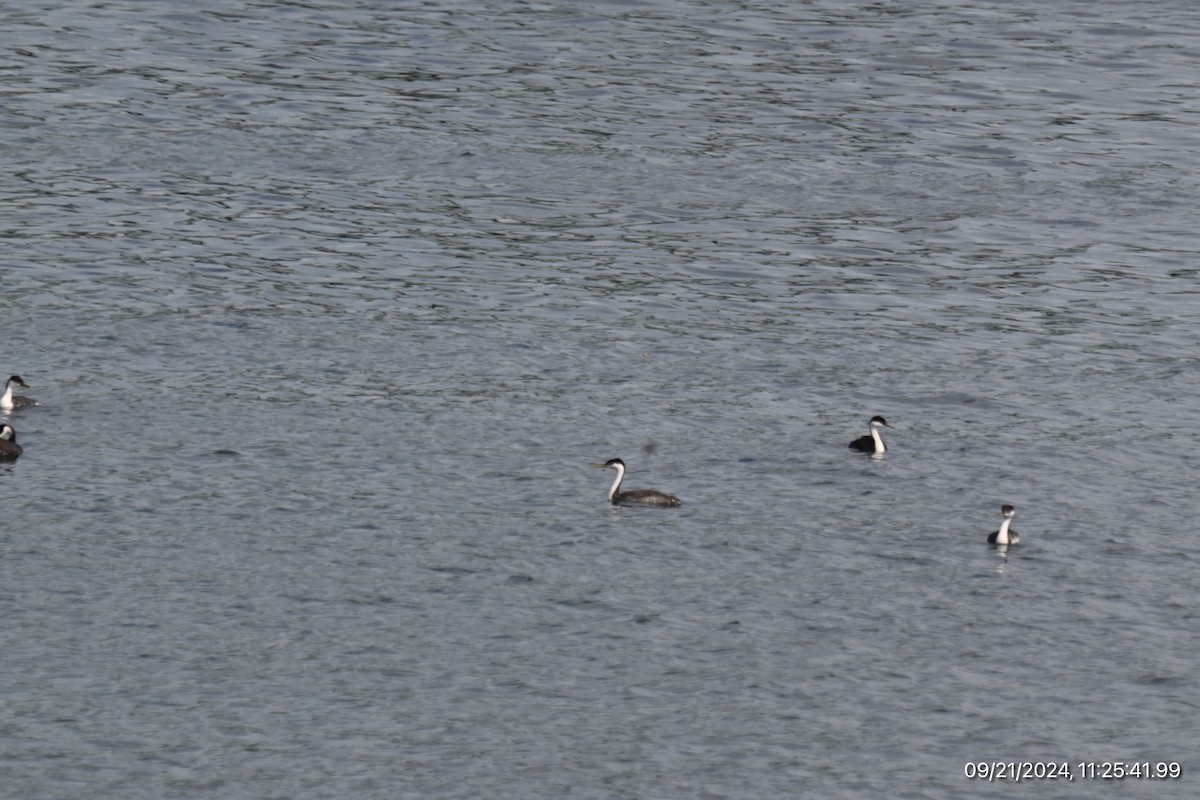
column 873, row 442
column 9, row 449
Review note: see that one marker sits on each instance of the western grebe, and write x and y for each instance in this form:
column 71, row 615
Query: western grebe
column 8, row 402
column 872, row 443
column 1004, row 535
column 641, row 497
column 9, row 449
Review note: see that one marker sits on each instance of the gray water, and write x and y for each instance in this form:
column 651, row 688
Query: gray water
column 330, row 306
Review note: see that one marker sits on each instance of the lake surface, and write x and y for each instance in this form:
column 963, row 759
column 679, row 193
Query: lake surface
column 330, row 306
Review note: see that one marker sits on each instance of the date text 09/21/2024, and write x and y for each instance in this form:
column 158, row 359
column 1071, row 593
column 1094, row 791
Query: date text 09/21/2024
column 1017, row 771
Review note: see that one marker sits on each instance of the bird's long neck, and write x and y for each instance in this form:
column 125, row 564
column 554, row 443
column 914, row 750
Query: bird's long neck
column 616, row 487
column 1002, row 534
column 879, row 446
column 6, row 398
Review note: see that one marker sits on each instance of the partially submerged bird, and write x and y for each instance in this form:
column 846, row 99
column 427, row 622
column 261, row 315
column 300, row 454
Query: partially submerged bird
column 9, row 449
column 640, row 497
column 8, row 402
column 1004, row 535
column 873, row 442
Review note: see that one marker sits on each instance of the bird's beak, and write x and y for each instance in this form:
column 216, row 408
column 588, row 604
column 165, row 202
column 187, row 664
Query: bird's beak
column 601, row 466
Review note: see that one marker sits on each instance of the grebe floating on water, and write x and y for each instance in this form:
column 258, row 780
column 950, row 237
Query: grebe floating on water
column 9, row 449
column 8, row 402
column 873, row 443
column 1004, row 535
column 640, row 497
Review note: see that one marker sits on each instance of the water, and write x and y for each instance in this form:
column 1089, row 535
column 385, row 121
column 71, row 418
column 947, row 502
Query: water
column 330, row 305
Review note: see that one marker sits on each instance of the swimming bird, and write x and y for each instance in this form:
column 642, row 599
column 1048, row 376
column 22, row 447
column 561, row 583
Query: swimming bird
column 640, row 497
column 872, row 443
column 9, row 449
column 1004, row 535
column 8, row 402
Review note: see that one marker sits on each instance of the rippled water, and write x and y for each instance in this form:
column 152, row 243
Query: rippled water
column 330, row 305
